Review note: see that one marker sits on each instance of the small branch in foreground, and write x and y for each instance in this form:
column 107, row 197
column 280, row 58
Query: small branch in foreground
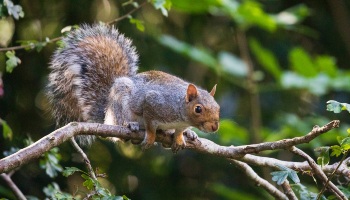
column 250, row 173
column 85, row 158
column 288, row 190
column 342, row 169
column 127, row 14
column 332, row 174
column 16, row 191
column 319, row 173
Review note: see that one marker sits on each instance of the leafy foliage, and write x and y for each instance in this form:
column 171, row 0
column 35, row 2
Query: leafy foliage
column 266, row 59
column 12, row 10
column 91, row 184
column 50, row 162
column 162, row 5
column 53, row 191
column 323, row 155
column 336, row 107
column 12, row 61
column 34, row 44
column 281, row 176
column 304, row 193
column 6, row 130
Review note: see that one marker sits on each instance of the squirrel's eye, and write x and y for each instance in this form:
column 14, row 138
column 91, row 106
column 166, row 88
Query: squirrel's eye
column 198, row 109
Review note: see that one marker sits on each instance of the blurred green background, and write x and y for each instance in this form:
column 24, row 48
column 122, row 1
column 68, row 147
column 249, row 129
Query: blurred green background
column 276, row 63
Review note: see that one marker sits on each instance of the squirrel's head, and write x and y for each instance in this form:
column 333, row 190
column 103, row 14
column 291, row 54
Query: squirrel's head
column 202, row 109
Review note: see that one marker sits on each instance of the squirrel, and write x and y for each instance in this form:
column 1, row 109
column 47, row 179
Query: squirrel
column 94, row 78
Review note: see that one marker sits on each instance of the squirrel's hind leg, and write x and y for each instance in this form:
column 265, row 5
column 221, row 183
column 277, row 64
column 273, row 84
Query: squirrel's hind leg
column 178, row 142
column 150, row 135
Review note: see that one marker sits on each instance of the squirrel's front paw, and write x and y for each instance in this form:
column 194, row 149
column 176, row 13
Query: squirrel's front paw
column 134, row 126
column 178, row 145
column 190, row 134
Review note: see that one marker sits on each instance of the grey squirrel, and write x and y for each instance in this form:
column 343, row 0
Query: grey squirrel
column 94, row 79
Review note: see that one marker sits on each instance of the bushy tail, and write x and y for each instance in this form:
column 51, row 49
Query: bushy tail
column 83, row 71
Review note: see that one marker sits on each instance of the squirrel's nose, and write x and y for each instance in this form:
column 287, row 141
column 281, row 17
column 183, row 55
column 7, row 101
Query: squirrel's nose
column 215, row 126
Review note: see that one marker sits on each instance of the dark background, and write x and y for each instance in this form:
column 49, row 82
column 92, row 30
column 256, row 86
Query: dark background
column 157, row 173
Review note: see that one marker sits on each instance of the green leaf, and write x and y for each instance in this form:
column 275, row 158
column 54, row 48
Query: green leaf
column 115, row 198
column 12, row 61
column 336, row 150
column 266, row 58
column 200, row 55
column 13, row 10
column 301, row 62
column 195, row 6
column 227, row 127
column 70, row 170
column 327, row 65
column 60, row 195
column 317, row 85
column 88, row 183
column 33, row 44
column 345, row 144
column 293, row 15
column 250, row 13
column 303, row 193
column 232, row 64
column 6, row 130
column 280, row 176
column 323, row 155
column 138, row 23
column 340, row 138
column 53, row 191
column 50, row 162
column 336, row 107
column 162, row 5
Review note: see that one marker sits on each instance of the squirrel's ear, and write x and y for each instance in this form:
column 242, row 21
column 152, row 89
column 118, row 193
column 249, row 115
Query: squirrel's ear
column 191, row 93
column 212, row 92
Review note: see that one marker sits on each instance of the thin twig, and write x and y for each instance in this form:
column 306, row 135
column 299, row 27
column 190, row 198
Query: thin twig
column 288, row 190
column 59, row 38
column 16, row 191
column 85, row 158
column 319, row 173
column 27, row 46
column 261, row 161
column 331, row 176
column 250, row 173
column 127, row 14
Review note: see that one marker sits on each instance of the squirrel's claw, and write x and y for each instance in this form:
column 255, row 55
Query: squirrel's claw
column 133, row 126
column 178, row 144
column 146, row 145
column 190, row 134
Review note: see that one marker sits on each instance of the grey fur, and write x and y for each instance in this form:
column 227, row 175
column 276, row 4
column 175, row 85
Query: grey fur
column 94, row 79
column 75, row 90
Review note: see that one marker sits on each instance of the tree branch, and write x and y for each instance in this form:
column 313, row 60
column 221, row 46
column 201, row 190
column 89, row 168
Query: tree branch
column 319, row 173
column 127, row 14
column 16, row 191
column 85, row 158
column 202, row 145
column 342, row 170
column 288, row 190
column 250, row 173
